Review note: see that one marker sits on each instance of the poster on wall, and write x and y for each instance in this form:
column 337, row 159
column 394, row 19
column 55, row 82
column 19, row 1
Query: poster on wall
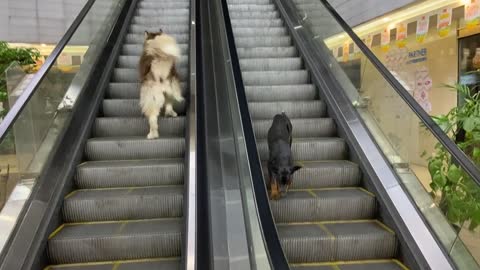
column 422, row 28
column 346, row 51
column 385, row 40
column 356, row 49
column 423, row 85
column 401, row 35
column 444, row 21
column 472, row 14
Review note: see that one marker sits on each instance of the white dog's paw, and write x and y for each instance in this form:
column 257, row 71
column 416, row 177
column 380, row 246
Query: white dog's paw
column 152, row 135
column 171, row 113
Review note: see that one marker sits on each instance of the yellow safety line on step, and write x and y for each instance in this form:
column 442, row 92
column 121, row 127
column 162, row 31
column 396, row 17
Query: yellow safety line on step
column 56, row 231
column 322, row 189
column 70, row 194
column 129, row 188
column 121, row 227
column 400, row 264
column 118, row 262
column 119, row 221
column 329, row 222
column 115, row 266
column 366, row 191
column 325, row 229
column 312, row 193
column 339, row 263
column 385, row 227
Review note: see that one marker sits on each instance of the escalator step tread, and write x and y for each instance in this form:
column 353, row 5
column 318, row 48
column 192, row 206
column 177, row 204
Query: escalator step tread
column 324, row 204
column 271, row 93
column 270, row 31
column 255, row 14
column 129, row 90
column 131, row 61
column 256, row 22
column 130, row 173
column 168, row 29
column 271, row 64
column 255, row 42
column 255, row 52
column 139, row 38
column 276, row 77
column 162, row 11
column 308, row 149
column 136, row 49
column 112, row 241
column 302, row 127
column 337, row 241
column 123, row 203
column 131, row 108
column 129, row 148
column 294, row 109
column 355, row 265
column 137, row 126
column 131, row 74
column 252, row 7
column 147, row 264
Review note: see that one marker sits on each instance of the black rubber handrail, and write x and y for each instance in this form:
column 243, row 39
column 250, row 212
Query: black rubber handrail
column 278, row 260
column 32, row 87
column 457, row 154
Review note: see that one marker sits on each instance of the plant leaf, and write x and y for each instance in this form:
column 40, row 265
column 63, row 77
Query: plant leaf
column 454, row 174
column 439, row 180
column 469, row 124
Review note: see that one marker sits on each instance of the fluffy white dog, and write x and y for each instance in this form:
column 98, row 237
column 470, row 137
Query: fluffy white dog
column 160, row 85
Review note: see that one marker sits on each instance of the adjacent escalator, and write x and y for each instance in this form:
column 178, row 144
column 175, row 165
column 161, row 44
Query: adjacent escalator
column 327, row 220
column 127, row 207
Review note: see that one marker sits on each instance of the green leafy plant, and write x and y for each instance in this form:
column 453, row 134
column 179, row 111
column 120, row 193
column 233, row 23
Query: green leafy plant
column 454, row 191
column 26, row 57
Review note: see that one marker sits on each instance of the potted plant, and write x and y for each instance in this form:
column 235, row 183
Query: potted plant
column 456, row 194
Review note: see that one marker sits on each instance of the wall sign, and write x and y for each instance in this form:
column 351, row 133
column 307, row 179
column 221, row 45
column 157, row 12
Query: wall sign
column 346, row 51
column 472, row 13
column 422, row 28
column 444, row 22
column 369, row 40
column 385, row 39
column 401, row 35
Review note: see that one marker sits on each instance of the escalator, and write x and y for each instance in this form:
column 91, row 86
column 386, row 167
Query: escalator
column 127, row 207
column 328, row 219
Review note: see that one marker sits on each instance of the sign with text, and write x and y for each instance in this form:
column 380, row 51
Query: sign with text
column 472, row 14
column 444, row 22
column 346, row 51
column 401, row 35
column 422, row 28
column 385, row 39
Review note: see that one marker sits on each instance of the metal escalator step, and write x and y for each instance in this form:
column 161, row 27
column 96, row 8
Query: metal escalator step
column 137, row 126
column 136, row 49
column 260, row 31
column 302, row 128
column 308, row 149
column 85, row 205
column 336, row 241
column 129, row 173
column 256, row 23
column 139, row 38
column 131, row 61
column 257, row 52
column 254, row 14
column 271, row 64
column 259, row 2
column 251, row 7
column 255, row 42
column 168, row 29
column 145, row 264
column 165, row 5
column 149, row 12
column 294, row 109
column 160, row 21
column 323, row 204
column 281, row 92
column 324, row 174
column 131, row 74
column 130, row 90
column 131, row 108
column 355, row 265
column 98, row 149
column 113, row 241
column 275, row 77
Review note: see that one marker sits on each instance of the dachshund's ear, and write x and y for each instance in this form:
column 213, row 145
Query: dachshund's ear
column 145, row 35
column 296, row 168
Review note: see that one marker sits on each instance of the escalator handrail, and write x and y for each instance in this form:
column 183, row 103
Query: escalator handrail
column 37, row 79
column 457, row 154
column 278, row 260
